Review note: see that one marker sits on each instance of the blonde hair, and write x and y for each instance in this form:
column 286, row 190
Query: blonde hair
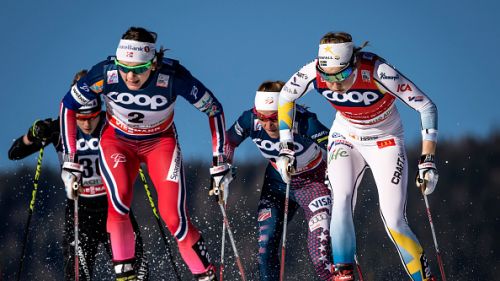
column 271, row 86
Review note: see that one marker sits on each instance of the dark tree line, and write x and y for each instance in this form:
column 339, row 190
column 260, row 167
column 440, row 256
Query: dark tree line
column 465, row 207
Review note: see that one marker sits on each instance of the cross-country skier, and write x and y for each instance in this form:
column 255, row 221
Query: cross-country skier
column 140, row 88
column 367, row 132
column 308, row 189
column 92, row 204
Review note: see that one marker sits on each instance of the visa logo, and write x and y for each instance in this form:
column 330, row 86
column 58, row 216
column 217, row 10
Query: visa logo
column 321, row 202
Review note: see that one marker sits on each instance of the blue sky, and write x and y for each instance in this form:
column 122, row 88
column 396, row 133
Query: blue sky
column 448, row 48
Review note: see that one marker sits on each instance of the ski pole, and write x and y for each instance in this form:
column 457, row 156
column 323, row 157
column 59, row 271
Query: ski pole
column 157, row 217
column 429, row 216
column 75, row 211
column 223, row 244
column 31, row 209
column 231, row 237
column 358, row 267
column 283, row 240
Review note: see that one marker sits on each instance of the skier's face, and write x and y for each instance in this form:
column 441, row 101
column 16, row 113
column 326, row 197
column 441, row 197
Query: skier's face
column 87, row 125
column 269, row 121
column 341, row 86
column 134, row 77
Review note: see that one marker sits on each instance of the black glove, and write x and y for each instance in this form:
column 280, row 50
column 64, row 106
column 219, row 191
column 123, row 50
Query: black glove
column 40, row 131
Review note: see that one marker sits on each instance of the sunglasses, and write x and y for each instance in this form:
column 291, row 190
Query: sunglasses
column 338, row 76
column 85, row 117
column 136, row 69
column 273, row 117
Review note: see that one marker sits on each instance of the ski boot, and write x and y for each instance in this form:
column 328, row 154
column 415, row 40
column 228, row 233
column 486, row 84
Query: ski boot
column 343, row 272
column 124, row 270
column 207, row 276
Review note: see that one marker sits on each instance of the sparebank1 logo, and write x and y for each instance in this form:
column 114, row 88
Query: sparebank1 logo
column 154, row 102
column 352, row 98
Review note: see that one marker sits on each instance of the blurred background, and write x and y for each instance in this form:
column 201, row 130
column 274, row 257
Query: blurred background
column 464, row 206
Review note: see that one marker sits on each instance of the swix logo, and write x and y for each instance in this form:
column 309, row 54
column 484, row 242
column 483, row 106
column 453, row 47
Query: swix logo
column 353, row 98
column 274, row 146
column 194, row 92
column 416, row 98
column 269, row 100
column 404, row 88
column 153, row 102
column 84, row 87
column 130, row 54
column 118, row 158
column 83, row 144
column 320, row 202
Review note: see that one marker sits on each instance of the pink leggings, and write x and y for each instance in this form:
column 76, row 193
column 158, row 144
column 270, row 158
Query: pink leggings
column 120, row 159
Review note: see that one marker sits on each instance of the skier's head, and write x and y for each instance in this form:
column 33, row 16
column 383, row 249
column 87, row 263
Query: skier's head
column 87, row 116
column 137, row 57
column 266, row 106
column 337, row 61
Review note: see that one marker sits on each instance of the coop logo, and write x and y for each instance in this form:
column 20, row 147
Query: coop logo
column 84, row 145
column 352, row 98
column 153, row 102
column 272, row 146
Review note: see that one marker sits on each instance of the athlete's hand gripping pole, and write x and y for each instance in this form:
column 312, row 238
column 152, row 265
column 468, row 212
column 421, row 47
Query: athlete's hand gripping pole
column 220, row 189
column 429, row 216
column 286, row 161
column 160, row 227
column 30, row 210
column 71, row 175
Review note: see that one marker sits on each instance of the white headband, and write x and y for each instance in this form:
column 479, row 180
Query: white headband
column 266, row 100
column 334, row 55
column 135, row 51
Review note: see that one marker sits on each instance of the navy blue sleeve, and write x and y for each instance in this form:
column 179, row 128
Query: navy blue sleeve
column 87, row 88
column 312, row 128
column 241, row 129
column 190, row 88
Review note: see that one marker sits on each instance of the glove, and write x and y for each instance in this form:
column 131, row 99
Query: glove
column 71, row 175
column 286, row 161
column 427, row 175
column 221, row 175
column 40, row 131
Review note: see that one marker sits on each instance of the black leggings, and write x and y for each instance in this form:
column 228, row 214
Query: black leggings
column 92, row 215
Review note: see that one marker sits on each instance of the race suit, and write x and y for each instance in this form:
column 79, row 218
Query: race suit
column 141, row 129
column 367, row 132
column 92, row 205
column 308, row 190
